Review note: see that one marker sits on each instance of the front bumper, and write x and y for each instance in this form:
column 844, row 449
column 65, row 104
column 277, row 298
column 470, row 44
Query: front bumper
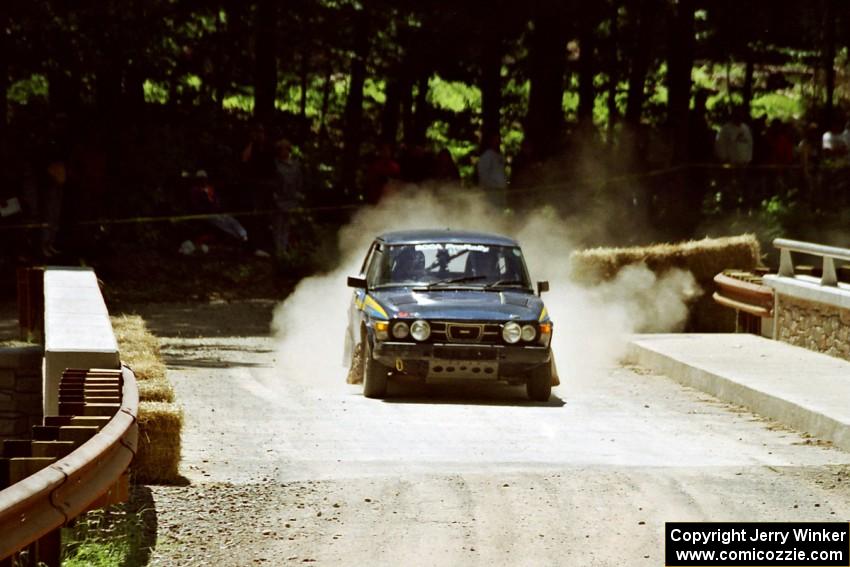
column 415, row 358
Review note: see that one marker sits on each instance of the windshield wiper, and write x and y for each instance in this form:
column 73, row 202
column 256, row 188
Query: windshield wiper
column 461, row 279
column 499, row 283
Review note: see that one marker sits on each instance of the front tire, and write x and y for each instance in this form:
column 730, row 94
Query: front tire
column 374, row 374
column 539, row 385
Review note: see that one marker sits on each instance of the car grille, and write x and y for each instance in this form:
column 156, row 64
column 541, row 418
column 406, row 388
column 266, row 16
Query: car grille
column 465, row 333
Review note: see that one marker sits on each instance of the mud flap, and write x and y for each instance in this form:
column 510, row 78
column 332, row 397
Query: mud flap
column 556, row 380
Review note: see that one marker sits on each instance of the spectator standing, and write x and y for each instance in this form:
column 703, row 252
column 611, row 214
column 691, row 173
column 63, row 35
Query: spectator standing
column 833, row 142
column 380, row 173
column 445, row 170
column 809, row 151
column 734, row 143
column 288, row 190
column 491, row 171
column 258, row 164
column 846, row 134
column 53, row 177
column 415, row 162
column 780, row 145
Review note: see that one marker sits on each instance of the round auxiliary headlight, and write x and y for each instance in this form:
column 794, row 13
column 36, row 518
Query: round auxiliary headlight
column 420, row 330
column 401, row 330
column 528, row 333
column 511, row 332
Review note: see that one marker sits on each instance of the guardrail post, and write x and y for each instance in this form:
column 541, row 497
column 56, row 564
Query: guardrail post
column 48, row 549
column 786, row 264
column 829, row 276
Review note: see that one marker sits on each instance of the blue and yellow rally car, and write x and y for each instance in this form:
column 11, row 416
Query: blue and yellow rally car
column 448, row 306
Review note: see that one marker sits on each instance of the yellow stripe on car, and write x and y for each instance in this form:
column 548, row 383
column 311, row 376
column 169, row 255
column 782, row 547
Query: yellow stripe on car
column 543, row 314
column 369, row 302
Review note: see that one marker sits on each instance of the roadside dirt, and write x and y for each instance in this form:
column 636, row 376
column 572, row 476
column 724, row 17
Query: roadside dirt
column 304, row 470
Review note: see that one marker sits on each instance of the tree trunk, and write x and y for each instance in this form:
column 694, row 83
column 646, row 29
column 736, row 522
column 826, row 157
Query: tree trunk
column 4, row 86
column 133, row 103
column 423, row 113
column 326, row 99
column 407, row 110
column 353, row 134
column 640, row 12
column 391, row 114
column 265, row 58
column 110, row 65
column 547, row 65
column 63, row 90
column 304, row 125
column 491, row 84
column 829, row 60
column 747, row 93
column 613, row 66
column 679, row 65
column 586, row 70
column 219, row 76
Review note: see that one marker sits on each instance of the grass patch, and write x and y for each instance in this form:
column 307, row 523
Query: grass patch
column 114, row 537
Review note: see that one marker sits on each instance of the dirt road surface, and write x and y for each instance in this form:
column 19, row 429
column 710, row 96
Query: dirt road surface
column 293, row 470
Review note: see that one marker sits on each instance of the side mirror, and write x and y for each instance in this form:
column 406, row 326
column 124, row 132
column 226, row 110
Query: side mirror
column 541, row 287
column 357, row 282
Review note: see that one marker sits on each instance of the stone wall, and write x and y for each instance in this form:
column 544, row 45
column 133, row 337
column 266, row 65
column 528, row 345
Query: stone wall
column 813, row 325
column 20, row 391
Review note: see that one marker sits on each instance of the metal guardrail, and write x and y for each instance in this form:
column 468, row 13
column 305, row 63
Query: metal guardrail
column 88, row 477
column 745, row 293
column 742, row 295
column 829, row 277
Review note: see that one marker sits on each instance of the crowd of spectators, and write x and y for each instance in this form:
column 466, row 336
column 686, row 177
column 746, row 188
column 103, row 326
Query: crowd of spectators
column 70, row 173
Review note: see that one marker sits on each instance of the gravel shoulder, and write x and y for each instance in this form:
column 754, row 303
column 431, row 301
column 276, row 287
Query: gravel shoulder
column 302, row 469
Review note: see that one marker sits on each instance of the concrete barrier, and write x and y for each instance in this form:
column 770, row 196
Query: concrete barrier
column 797, row 387
column 77, row 329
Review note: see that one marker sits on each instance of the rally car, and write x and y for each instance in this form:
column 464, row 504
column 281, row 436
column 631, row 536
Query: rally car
column 448, row 306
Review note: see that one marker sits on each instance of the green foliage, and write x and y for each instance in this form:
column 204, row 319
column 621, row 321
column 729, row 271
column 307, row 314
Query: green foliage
column 778, row 105
column 26, row 90
column 105, row 538
column 455, row 96
column 155, row 92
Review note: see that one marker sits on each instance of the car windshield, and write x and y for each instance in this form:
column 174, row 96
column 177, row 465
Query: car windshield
column 443, row 264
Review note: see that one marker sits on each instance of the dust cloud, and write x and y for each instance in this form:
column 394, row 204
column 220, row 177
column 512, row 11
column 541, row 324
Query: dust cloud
column 592, row 325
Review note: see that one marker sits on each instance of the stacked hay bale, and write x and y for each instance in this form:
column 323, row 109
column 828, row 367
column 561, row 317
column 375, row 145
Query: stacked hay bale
column 160, row 419
column 703, row 258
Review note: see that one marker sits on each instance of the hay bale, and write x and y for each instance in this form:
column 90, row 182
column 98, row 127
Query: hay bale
column 139, row 348
column 156, row 390
column 703, row 258
column 158, row 457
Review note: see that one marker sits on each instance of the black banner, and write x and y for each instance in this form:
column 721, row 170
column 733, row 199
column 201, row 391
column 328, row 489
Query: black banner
column 744, row 544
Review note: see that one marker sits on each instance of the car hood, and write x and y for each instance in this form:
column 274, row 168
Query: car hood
column 470, row 305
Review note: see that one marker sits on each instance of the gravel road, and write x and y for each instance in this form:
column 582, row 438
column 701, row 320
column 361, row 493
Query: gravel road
column 285, row 470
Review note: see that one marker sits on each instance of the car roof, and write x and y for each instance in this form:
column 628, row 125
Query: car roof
column 446, row 236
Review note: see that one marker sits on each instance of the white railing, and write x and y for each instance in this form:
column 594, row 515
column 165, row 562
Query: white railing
column 829, row 254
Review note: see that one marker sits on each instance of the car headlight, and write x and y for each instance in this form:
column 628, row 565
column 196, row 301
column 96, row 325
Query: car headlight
column 511, row 332
column 528, row 333
column 420, row 330
column 401, row 330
